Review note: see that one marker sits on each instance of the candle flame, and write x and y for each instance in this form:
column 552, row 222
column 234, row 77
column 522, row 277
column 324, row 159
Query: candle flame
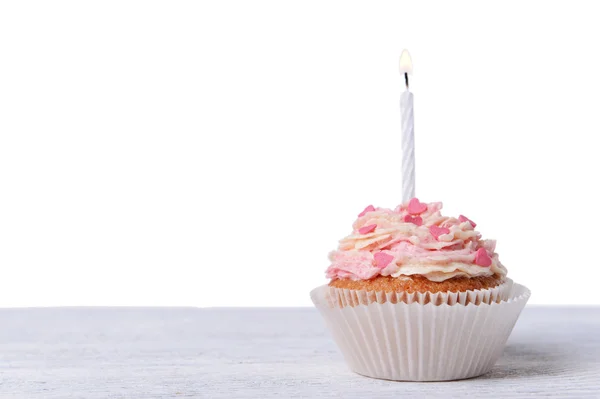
column 406, row 63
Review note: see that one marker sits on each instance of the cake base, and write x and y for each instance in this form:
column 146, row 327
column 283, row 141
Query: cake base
column 419, row 283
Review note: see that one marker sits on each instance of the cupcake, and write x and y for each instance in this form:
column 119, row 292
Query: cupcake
column 418, row 296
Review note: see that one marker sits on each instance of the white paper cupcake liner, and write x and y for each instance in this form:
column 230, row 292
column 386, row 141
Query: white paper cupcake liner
column 421, row 342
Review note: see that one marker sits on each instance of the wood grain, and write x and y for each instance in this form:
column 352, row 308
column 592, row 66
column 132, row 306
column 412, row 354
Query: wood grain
column 262, row 353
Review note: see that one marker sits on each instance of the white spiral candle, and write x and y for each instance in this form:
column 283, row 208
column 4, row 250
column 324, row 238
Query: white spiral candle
column 408, row 132
column 408, row 146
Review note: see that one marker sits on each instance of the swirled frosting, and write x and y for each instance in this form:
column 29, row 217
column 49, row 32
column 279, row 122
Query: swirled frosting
column 413, row 239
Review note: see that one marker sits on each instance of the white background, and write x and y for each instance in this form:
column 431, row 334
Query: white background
column 212, row 153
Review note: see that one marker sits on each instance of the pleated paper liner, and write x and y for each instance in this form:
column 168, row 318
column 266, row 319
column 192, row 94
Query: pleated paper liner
column 421, row 342
column 341, row 297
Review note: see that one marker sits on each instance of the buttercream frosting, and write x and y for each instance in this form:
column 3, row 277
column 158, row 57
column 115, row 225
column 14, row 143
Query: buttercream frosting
column 413, row 239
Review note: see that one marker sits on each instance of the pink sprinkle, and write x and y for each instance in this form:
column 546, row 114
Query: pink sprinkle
column 418, row 220
column 382, row 259
column 437, row 231
column 482, row 258
column 370, row 208
column 463, row 219
column 415, row 207
column 367, row 229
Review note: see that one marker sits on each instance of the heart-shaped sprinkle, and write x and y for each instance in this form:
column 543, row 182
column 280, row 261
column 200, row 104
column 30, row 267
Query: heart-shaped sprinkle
column 418, row 220
column 463, row 219
column 382, row 259
column 437, row 231
column 370, row 208
column 367, row 229
column 482, row 258
column 415, row 207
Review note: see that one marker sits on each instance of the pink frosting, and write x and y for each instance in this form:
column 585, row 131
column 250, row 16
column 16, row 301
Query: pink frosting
column 413, row 239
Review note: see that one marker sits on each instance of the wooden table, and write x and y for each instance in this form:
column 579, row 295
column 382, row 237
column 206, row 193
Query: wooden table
column 263, row 353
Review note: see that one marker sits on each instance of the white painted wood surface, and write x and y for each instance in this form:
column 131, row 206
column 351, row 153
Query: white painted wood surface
column 262, row 353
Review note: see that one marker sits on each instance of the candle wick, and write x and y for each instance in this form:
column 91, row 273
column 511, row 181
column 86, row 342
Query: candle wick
column 406, row 79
